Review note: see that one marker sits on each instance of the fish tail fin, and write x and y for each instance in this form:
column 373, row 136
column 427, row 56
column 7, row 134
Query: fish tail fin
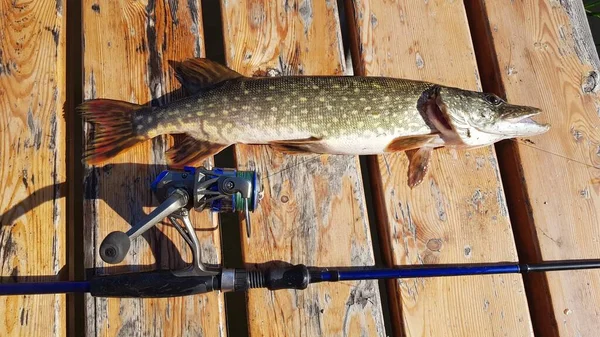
column 114, row 130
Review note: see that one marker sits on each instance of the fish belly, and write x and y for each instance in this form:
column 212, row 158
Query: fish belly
column 355, row 145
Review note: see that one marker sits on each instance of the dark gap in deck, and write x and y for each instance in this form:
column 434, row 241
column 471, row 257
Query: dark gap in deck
column 349, row 42
column 235, row 302
column 214, row 42
column 231, row 248
column 376, row 241
column 74, row 139
column 515, row 188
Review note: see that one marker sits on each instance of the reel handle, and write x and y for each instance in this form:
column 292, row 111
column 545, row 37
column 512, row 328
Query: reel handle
column 115, row 245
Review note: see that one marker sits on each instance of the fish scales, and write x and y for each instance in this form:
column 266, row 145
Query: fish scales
column 284, row 108
column 308, row 114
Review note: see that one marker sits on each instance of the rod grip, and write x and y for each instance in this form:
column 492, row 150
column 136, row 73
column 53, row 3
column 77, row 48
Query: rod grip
column 151, row 284
column 295, row 277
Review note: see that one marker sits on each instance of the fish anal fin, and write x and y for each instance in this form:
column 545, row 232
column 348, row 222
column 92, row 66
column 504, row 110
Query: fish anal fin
column 191, row 152
column 418, row 166
column 197, row 74
column 410, row 142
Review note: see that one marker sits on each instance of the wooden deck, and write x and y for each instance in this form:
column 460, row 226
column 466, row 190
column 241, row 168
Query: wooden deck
column 527, row 200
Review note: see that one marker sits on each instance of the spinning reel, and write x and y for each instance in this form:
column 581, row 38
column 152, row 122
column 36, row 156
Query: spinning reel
column 227, row 190
column 218, row 190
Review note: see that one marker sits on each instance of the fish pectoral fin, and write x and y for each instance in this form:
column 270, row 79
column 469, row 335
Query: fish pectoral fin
column 198, row 74
column 296, row 146
column 418, row 164
column 191, row 151
column 410, row 142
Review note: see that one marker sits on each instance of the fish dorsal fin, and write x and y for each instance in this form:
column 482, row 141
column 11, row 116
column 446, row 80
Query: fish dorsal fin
column 197, row 74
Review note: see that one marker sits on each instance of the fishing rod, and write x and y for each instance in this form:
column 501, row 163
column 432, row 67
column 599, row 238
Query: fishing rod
column 228, row 190
column 167, row 283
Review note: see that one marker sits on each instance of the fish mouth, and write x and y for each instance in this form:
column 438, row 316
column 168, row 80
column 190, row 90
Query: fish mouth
column 522, row 124
column 521, row 114
column 533, row 128
column 529, row 121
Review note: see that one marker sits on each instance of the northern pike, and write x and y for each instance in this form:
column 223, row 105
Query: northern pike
column 349, row 115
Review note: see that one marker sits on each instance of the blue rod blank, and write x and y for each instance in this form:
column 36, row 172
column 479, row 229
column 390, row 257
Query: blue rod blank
column 35, row 288
column 353, row 275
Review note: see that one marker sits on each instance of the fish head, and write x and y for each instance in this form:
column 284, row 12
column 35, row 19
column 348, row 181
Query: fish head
column 480, row 119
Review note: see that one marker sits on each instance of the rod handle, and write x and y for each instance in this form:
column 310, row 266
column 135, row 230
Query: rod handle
column 294, row 277
column 151, row 284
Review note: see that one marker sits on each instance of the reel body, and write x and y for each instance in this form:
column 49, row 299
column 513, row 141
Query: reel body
column 217, row 190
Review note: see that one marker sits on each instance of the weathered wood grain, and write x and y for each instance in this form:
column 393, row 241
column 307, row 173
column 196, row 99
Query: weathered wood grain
column 127, row 49
column 32, row 163
column 541, row 53
column 313, row 211
column 458, row 214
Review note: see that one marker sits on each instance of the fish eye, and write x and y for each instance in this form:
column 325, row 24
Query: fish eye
column 493, row 99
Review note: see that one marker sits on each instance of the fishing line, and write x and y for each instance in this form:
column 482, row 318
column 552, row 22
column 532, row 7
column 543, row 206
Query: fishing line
column 554, row 154
column 293, row 166
column 512, row 140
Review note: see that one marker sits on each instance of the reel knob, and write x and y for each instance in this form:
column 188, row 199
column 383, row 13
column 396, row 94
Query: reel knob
column 114, row 247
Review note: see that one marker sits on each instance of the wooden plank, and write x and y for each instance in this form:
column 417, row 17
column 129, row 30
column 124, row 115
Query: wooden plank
column 313, row 211
column 32, row 169
column 127, row 49
column 458, row 213
column 542, row 53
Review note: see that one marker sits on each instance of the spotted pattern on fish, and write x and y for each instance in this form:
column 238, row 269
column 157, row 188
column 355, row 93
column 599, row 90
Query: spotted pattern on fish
column 318, row 114
column 327, row 108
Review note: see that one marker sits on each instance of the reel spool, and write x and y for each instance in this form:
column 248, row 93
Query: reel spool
column 218, row 190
